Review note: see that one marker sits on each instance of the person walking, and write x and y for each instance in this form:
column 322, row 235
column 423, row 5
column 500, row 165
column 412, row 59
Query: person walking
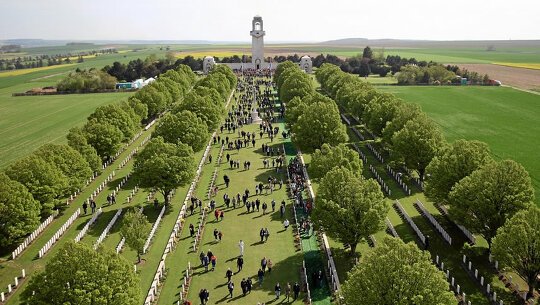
column 201, row 256
column 228, row 275
column 93, row 206
column 230, row 286
column 266, row 234
column 204, row 295
column 243, row 285
column 296, row 290
column 286, row 224
column 241, row 247
column 264, row 262
column 85, row 207
column 191, row 230
column 240, row 263
column 261, row 234
column 220, row 235
column 260, row 275
column 213, row 259
column 206, row 262
column 270, row 264
column 277, row 290
column 288, row 291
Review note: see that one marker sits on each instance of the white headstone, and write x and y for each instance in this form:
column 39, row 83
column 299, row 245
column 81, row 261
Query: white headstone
column 9, row 288
column 482, row 281
column 2, row 297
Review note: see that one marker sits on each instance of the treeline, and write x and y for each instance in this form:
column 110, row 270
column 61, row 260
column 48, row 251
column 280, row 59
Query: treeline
column 165, row 163
column 486, row 196
column 408, row 71
column 91, row 80
column 26, row 62
column 32, row 187
column 150, row 67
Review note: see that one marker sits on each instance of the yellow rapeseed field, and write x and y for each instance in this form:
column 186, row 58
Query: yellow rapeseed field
column 26, row 71
column 520, row 65
column 215, row 53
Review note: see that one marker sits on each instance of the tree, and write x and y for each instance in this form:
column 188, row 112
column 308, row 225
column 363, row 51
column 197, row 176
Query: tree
column 397, row 273
column 403, row 113
column 203, row 107
column 452, row 164
column 296, row 84
column 417, row 143
column 379, row 111
column 19, row 212
column 349, row 207
column 78, row 274
column 484, row 200
column 69, row 161
column 164, row 166
column 319, row 124
column 153, row 99
column 104, row 137
column 44, row 181
column 183, row 127
column 368, row 53
column 517, row 245
column 135, row 229
column 77, row 140
column 365, row 69
column 329, row 157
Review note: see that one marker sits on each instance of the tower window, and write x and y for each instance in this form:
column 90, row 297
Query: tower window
column 257, row 26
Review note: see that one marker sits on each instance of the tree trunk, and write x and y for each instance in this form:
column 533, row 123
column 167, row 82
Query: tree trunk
column 139, row 256
column 421, row 173
column 531, row 284
column 353, row 249
column 166, row 196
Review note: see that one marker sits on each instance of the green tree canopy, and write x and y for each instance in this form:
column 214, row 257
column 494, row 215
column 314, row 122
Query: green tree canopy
column 44, row 181
column 138, row 107
column 517, row 245
column 281, row 67
column 417, row 143
column 104, row 137
column 379, row 111
column 203, row 107
column 113, row 114
column 70, row 162
column 319, row 124
column 349, row 207
column 164, row 166
column 452, row 164
column 403, row 113
column 183, row 127
column 77, row 140
column 295, row 84
column 154, row 100
column 395, row 273
column 135, row 229
column 329, row 157
column 485, row 199
column 78, row 274
column 19, row 212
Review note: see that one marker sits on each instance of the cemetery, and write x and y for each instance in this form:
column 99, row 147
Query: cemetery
column 261, row 183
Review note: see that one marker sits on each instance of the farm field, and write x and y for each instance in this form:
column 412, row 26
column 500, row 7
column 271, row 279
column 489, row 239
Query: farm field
column 31, row 121
column 505, row 118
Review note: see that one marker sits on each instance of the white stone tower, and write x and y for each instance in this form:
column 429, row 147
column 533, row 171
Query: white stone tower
column 257, row 42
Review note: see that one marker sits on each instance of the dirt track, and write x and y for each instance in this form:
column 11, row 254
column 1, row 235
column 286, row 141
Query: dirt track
column 517, row 77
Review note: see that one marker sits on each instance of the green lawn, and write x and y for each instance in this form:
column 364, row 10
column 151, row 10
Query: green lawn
column 505, row 118
column 31, row 121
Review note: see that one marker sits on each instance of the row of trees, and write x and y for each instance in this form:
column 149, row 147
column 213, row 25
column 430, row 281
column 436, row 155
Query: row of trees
column 350, row 207
column 482, row 194
column 35, row 185
column 305, row 107
column 44, row 60
column 166, row 163
column 151, row 66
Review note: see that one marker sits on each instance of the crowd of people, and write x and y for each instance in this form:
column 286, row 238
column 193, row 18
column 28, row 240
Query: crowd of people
column 255, row 104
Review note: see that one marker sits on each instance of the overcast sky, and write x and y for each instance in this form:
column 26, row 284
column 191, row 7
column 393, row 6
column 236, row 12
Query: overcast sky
column 290, row 20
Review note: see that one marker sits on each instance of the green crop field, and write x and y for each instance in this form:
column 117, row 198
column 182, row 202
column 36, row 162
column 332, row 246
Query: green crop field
column 29, row 122
column 505, row 118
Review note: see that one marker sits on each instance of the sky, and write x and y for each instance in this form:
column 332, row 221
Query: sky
column 291, row 20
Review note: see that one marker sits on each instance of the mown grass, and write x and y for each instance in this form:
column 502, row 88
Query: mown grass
column 504, row 118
